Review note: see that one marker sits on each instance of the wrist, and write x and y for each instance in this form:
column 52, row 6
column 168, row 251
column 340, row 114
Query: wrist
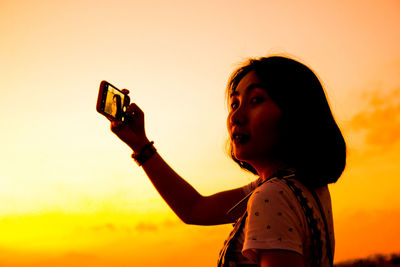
column 145, row 153
column 138, row 147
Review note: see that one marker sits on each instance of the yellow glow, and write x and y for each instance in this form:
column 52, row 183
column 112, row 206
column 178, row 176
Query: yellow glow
column 69, row 192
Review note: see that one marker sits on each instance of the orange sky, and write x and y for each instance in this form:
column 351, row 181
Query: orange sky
column 71, row 194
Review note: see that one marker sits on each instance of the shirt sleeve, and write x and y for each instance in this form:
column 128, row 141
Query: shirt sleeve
column 273, row 221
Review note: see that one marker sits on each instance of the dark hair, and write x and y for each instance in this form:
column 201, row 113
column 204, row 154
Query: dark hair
column 118, row 115
column 309, row 140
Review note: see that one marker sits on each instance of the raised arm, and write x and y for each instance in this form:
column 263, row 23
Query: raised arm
column 188, row 204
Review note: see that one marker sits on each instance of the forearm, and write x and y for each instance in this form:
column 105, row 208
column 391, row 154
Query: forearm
column 178, row 193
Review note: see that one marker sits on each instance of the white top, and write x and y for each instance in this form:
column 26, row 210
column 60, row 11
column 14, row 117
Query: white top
column 276, row 220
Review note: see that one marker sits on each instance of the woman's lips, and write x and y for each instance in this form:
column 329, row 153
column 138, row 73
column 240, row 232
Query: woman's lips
column 241, row 139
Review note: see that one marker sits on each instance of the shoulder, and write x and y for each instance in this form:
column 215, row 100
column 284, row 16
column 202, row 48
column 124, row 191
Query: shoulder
column 274, row 192
column 274, row 221
column 285, row 192
column 275, row 202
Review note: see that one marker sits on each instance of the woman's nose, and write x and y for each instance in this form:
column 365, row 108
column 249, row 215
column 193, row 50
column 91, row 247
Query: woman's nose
column 238, row 116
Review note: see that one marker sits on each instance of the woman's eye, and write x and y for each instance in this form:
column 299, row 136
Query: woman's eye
column 257, row 98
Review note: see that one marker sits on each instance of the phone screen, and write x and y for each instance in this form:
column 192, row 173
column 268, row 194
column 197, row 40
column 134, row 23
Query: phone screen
column 111, row 102
column 114, row 102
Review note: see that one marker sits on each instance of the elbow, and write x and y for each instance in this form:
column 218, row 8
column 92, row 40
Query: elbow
column 197, row 221
column 193, row 216
column 189, row 220
column 192, row 222
column 185, row 220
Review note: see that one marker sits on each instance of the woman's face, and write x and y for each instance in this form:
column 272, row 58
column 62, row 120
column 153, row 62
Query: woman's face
column 253, row 114
column 114, row 107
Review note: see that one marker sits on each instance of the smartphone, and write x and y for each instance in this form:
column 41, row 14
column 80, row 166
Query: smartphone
column 111, row 102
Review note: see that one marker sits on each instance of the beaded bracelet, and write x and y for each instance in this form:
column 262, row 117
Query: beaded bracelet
column 147, row 152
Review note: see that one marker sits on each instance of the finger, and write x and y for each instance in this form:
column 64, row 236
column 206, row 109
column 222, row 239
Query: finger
column 125, row 91
column 115, row 126
column 131, row 108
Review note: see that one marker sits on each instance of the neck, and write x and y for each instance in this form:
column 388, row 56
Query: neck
column 266, row 169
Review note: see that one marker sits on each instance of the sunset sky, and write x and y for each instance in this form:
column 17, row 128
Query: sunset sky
column 70, row 194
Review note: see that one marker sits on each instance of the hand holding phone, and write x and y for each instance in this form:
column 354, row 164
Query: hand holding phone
column 112, row 102
column 131, row 131
column 127, row 122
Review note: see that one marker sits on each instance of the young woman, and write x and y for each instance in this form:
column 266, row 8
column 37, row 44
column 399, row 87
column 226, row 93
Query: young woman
column 282, row 130
column 116, row 109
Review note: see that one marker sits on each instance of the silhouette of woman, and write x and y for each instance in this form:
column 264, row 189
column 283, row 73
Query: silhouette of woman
column 116, row 109
column 282, row 130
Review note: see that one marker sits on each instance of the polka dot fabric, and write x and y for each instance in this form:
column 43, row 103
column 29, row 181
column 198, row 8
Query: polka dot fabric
column 276, row 220
column 280, row 214
column 273, row 221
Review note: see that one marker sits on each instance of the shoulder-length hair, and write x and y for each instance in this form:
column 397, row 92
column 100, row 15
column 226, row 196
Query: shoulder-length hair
column 118, row 106
column 309, row 138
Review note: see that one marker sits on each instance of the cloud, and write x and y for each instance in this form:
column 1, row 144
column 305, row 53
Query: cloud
column 381, row 121
column 146, row 227
column 141, row 226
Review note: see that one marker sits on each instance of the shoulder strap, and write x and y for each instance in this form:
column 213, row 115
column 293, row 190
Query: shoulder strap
column 327, row 238
column 314, row 231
